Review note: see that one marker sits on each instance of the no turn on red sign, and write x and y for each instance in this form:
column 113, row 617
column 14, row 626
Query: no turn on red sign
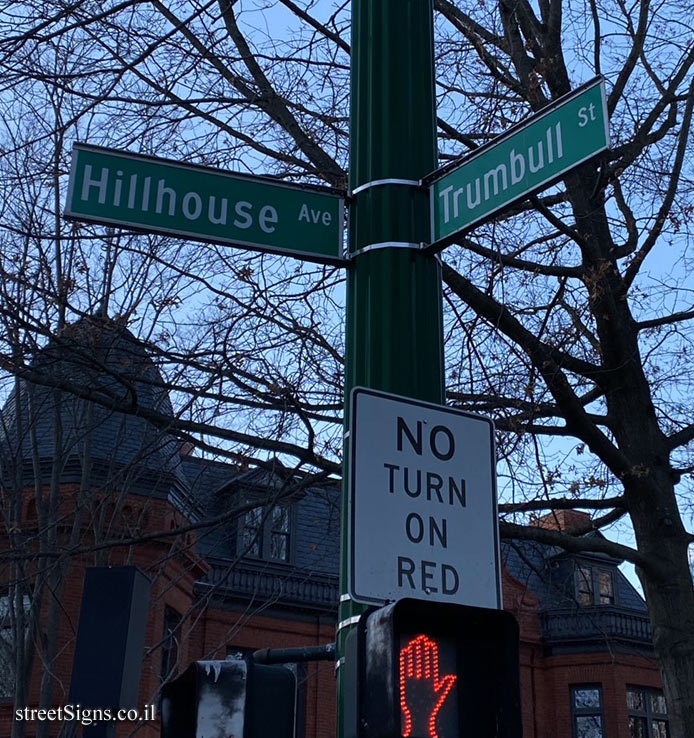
column 423, row 515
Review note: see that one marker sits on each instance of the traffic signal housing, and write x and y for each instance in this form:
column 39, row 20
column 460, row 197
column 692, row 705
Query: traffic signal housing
column 436, row 670
column 218, row 699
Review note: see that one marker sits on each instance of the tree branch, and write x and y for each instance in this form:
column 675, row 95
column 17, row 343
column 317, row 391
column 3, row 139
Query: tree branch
column 569, row 542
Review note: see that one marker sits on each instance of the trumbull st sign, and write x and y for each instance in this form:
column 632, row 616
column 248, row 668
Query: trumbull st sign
column 205, row 204
column 526, row 158
column 422, row 503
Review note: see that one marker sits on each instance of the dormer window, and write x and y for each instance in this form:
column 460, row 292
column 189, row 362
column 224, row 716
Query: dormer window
column 266, row 533
column 594, row 586
column 584, row 585
column 605, row 590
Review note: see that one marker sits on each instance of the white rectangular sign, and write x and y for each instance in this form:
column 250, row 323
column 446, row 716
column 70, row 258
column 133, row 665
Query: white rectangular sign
column 423, row 514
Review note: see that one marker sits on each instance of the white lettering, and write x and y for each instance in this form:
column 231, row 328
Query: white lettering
column 222, row 220
column 132, row 188
column 517, row 160
column 560, row 148
column 327, row 218
column 194, row 212
column 478, row 196
column 540, row 158
column 88, row 182
column 241, row 210
column 164, row 191
column 456, row 197
column 446, row 209
column 145, row 194
column 550, row 151
column 303, row 213
column 266, row 218
column 117, row 188
column 586, row 114
column 492, row 175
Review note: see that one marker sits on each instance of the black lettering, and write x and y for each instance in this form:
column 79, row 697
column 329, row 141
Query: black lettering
column 416, row 492
column 434, row 447
column 417, row 534
column 427, row 575
column 402, row 560
column 446, row 588
column 415, row 443
column 392, row 468
column 440, row 533
column 434, row 482
column 459, row 492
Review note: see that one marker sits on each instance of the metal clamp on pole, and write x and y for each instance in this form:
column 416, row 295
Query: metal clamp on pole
column 380, row 182
column 387, row 245
column 347, row 622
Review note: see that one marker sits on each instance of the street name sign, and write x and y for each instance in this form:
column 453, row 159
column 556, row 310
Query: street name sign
column 204, row 204
column 526, row 158
column 423, row 514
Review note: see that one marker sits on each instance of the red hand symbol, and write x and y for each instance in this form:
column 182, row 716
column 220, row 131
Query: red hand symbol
column 420, row 685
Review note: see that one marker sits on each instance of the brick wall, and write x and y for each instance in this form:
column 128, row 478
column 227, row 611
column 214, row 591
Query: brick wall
column 209, row 629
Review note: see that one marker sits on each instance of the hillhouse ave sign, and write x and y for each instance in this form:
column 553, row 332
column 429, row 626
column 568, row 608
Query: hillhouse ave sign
column 204, row 204
column 526, row 158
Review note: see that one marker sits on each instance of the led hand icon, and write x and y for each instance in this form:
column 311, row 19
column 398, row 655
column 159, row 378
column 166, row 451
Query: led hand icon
column 422, row 691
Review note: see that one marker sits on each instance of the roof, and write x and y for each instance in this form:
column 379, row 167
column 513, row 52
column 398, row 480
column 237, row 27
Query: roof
column 549, row 573
column 99, row 356
column 219, row 488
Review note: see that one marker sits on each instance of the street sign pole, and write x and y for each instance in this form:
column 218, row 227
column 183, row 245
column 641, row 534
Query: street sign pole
column 394, row 335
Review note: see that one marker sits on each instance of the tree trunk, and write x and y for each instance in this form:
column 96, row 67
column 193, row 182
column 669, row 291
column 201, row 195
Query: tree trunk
column 671, row 612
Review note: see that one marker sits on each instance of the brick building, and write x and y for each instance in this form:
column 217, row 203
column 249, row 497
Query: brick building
column 253, row 561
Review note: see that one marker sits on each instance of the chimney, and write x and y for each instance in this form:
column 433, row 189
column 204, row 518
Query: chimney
column 563, row 520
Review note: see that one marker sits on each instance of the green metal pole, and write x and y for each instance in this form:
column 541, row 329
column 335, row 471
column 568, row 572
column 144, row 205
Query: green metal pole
column 394, row 338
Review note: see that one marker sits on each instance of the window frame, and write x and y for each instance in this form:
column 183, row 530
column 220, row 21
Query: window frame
column 647, row 713
column 592, row 586
column 578, row 712
column 170, row 644
column 261, row 547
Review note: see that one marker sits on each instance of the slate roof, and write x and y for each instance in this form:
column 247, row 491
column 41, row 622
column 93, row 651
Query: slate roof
column 218, row 487
column 549, row 573
column 309, row 580
column 97, row 355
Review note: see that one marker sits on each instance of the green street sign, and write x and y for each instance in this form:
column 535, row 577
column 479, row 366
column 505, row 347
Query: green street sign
column 204, row 204
column 526, row 158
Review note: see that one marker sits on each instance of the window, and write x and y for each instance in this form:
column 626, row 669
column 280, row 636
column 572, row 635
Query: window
column 586, row 711
column 8, row 634
column 279, row 533
column 605, row 589
column 584, row 585
column 594, row 586
column 266, row 533
column 171, row 640
column 647, row 713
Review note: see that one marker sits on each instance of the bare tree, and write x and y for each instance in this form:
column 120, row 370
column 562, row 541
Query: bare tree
column 568, row 319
